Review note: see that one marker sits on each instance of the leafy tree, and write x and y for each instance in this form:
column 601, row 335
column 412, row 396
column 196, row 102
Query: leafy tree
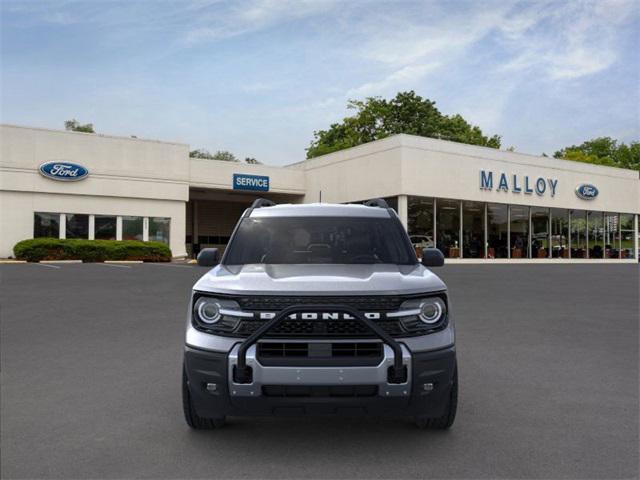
column 75, row 126
column 219, row 155
column 377, row 118
column 252, row 161
column 604, row 151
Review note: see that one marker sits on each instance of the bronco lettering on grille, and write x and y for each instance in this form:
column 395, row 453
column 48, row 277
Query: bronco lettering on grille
column 320, row 316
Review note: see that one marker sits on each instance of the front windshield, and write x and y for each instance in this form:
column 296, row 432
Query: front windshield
column 337, row 240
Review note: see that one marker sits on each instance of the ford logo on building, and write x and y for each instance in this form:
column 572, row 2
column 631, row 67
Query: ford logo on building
column 63, row 171
column 586, row 191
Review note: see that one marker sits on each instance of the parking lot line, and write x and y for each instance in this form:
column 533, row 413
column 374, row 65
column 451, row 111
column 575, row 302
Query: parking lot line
column 113, row 265
column 47, row 265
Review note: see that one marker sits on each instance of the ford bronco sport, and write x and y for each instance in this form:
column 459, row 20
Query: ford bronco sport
column 320, row 309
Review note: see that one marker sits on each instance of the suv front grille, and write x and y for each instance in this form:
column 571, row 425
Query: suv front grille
column 365, row 304
column 320, row 328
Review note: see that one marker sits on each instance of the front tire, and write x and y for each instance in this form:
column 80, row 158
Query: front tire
column 190, row 415
column 445, row 421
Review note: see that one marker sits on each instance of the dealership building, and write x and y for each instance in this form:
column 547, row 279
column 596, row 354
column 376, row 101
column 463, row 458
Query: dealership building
column 473, row 203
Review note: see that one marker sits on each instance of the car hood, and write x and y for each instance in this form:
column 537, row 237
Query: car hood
column 260, row 279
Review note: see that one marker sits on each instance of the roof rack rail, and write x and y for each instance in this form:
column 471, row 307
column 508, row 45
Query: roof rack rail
column 376, row 202
column 262, row 202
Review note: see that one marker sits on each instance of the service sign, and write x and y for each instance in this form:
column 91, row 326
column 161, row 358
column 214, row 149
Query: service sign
column 63, row 171
column 586, row 191
column 254, row 183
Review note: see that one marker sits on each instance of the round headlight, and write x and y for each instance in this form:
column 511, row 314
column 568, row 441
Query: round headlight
column 432, row 311
column 208, row 311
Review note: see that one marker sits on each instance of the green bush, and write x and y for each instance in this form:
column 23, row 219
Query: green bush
column 36, row 249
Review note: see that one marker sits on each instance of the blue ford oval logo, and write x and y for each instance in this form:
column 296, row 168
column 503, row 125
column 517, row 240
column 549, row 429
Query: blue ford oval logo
column 586, row 191
column 64, row 171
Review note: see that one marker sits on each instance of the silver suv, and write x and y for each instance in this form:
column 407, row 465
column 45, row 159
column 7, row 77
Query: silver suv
column 320, row 309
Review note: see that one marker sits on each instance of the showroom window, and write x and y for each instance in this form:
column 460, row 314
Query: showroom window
column 497, row 230
column 105, row 227
column 519, row 231
column 560, row 233
column 611, row 234
column 77, row 226
column 473, row 230
column 539, row 232
column 159, row 229
column 132, row 228
column 46, row 225
column 448, row 227
column 596, row 234
column 626, row 236
column 420, row 222
column 578, row 234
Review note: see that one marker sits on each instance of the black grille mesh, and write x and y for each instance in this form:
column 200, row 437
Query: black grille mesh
column 365, row 304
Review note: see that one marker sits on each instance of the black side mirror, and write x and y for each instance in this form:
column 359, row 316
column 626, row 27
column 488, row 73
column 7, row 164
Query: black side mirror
column 208, row 257
column 432, row 257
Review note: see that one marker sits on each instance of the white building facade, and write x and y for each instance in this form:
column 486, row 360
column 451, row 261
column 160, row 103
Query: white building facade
column 470, row 202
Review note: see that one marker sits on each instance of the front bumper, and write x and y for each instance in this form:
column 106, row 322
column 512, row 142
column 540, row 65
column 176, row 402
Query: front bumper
column 425, row 392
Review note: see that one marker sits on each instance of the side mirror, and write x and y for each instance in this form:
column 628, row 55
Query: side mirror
column 208, row 257
column 432, row 257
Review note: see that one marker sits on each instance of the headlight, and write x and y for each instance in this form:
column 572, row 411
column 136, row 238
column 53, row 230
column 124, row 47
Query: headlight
column 207, row 310
column 432, row 310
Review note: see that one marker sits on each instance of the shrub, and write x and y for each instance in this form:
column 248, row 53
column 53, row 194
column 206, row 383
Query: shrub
column 36, row 249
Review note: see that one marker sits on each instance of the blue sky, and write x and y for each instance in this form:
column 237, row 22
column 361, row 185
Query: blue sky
column 258, row 77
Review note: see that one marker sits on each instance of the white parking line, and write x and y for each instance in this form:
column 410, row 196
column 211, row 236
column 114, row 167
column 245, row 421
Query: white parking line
column 113, row 265
column 47, row 265
column 170, row 265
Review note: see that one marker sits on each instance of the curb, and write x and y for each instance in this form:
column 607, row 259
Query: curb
column 8, row 262
column 60, row 261
column 123, row 261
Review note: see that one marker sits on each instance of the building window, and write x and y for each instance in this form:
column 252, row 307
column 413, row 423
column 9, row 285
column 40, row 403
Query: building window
column 77, row 226
column 596, row 235
column 159, row 229
column 578, row 234
column 132, row 228
column 420, row 223
column 448, row 227
column 540, row 247
column 472, row 230
column 559, row 233
column 46, row 225
column 105, row 227
column 611, row 235
column 497, row 231
column 519, row 231
column 626, row 236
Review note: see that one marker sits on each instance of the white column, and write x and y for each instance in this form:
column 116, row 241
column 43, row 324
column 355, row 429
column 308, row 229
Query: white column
column 118, row 228
column 63, row 225
column 635, row 236
column 145, row 229
column 194, row 212
column 92, row 227
column 403, row 210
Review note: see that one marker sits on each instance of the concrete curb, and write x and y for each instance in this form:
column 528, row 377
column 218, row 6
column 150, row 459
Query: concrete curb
column 8, row 262
column 123, row 261
column 60, row 261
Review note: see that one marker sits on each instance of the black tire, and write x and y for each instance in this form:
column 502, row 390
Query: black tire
column 191, row 417
column 445, row 421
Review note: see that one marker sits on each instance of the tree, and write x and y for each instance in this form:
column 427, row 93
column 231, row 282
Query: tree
column 377, row 118
column 219, row 155
column 252, row 161
column 75, row 126
column 604, row 151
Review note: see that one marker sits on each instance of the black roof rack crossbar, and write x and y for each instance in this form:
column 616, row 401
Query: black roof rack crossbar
column 262, row 202
column 377, row 202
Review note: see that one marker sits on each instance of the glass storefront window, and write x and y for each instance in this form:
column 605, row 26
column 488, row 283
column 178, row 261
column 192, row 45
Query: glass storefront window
column 46, row 225
column 519, row 231
column 77, row 226
column 626, row 236
column 539, row 232
column 472, row 230
column 132, row 228
column 611, row 236
column 448, row 227
column 497, row 229
column 105, row 227
column 420, row 223
column 596, row 235
column 559, row 233
column 159, row 229
column 578, row 234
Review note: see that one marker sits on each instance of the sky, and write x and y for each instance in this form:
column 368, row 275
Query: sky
column 258, row 77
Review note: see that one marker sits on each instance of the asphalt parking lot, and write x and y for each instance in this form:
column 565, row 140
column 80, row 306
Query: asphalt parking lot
column 91, row 363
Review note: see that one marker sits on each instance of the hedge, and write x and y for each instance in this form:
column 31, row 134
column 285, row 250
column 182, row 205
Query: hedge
column 36, row 249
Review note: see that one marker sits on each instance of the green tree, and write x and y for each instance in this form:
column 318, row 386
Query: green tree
column 74, row 126
column 219, row 155
column 604, row 151
column 377, row 118
column 252, row 161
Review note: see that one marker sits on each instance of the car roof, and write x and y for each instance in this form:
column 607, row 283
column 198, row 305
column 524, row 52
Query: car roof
column 320, row 210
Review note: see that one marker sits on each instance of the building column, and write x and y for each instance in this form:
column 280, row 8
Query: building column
column 118, row 228
column 635, row 236
column 145, row 229
column 63, row 225
column 403, row 210
column 92, row 227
